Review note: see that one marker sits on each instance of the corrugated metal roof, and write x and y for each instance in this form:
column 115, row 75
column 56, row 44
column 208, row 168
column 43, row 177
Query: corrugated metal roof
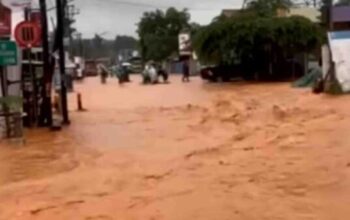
column 341, row 14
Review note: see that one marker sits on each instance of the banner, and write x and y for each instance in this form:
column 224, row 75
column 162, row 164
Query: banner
column 5, row 21
column 185, row 46
column 340, row 47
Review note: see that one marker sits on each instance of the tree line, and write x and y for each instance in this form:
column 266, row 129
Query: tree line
column 99, row 47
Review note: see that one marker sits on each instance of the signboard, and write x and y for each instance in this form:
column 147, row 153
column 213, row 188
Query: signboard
column 340, row 46
column 27, row 34
column 185, row 46
column 5, row 21
column 8, row 53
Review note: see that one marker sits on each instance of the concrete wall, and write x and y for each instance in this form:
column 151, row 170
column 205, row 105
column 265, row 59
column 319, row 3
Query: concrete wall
column 177, row 67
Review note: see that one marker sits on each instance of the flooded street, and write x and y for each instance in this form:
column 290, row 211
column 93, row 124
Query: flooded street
column 185, row 151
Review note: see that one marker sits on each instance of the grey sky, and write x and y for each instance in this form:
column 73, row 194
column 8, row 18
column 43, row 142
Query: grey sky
column 99, row 16
column 114, row 17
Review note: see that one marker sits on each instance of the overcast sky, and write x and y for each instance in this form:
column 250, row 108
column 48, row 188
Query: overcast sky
column 119, row 17
column 98, row 16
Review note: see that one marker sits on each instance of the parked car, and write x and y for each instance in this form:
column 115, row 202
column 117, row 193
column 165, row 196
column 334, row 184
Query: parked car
column 90, row 68
column 220, row 73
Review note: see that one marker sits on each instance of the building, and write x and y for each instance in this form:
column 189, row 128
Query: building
column 341, row 17
column 230, row 12
column 5, row 21
column 311, row 13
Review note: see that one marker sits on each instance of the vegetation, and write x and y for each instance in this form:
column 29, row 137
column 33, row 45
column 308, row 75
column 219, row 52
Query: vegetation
column 267, row 8
column 158, row 32
column 98, row 46
column 258, row 40
column 69, row 30
column 123, row 42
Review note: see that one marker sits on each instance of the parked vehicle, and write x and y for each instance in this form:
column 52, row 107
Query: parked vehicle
column 136, row 65
column 284, row 70
column 220, row 73
column 90, row 68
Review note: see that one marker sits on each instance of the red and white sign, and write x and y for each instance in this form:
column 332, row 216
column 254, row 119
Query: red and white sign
column 27, row 34
column 5, row 21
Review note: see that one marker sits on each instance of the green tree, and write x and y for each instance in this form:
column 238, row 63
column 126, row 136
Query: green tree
column 267, row 7
column 123, row 42
column 158, row 32
column 98, row 41
column 260, row 44
column 194, row 28
column 69, row 29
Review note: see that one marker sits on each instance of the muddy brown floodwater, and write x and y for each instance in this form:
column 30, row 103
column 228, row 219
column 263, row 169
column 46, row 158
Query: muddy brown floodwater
column 183, row 152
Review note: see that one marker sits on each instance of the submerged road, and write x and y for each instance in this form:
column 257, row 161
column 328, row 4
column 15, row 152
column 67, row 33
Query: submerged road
column 182, row 152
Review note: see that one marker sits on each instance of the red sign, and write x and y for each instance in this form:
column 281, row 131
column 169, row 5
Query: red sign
column 5, row 21
column 27, row 34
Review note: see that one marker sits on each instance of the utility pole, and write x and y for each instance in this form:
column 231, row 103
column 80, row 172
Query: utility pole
column 330, row 8
column 46, row 110
column 60, row 4
column 71, row 11
column 331, row 83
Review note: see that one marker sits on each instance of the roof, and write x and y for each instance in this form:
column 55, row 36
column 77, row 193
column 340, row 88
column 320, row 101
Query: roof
column 341, row 14
column 230, row 12
column 311, row 13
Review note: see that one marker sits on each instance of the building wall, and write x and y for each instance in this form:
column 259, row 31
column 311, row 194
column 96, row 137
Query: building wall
column 341, row 14
column 342, row 26
column 311, row 13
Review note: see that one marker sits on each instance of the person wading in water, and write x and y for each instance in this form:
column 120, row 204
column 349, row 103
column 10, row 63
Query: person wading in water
column 186, row 72
column 103, row 73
